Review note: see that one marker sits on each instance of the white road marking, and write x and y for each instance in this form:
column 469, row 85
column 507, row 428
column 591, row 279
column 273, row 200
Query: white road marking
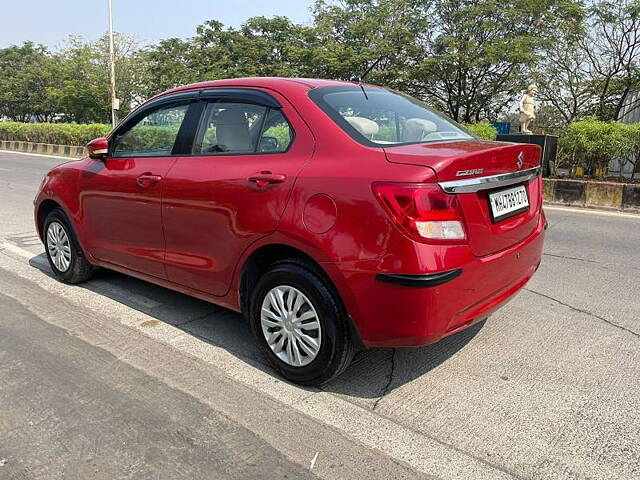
column 18, row 250
column 313, row 462
column 592, row 211
column 35, row 258
column 40, row 155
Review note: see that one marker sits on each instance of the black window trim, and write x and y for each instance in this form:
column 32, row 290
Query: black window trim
column 241, row 95
column 197, row 100
column 126, row 123
column 317, row 95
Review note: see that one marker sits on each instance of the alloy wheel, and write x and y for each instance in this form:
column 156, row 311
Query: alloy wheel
column 290, row 325
column 59, row 246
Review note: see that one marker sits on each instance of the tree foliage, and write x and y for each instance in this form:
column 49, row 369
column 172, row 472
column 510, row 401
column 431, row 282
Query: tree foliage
column 483, row 130
column 468, row 58
column 25, row 74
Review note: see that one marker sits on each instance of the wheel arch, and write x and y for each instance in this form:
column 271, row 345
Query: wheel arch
column 263, row 257
column 45, row 208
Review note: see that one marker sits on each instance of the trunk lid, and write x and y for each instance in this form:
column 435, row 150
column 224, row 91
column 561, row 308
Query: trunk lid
column 466, row 160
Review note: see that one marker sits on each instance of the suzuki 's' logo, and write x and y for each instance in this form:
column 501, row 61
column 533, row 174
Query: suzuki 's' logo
column 520, row 160
column 474, row 171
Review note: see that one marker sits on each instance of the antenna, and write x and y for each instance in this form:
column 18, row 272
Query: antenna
column 358, row 79
column 373, row 65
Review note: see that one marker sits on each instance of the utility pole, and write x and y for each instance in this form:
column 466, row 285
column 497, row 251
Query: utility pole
column 115, row 103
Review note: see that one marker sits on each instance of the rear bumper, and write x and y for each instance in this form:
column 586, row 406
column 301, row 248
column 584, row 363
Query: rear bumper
column 393, row 310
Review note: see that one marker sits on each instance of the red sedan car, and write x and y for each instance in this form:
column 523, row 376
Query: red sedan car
column 335, row 216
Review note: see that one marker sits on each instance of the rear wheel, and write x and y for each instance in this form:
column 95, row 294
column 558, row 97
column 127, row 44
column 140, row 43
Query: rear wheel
column 63, row 252
column 299, row 324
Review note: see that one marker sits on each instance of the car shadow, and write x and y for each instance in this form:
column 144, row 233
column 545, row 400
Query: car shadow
column 372, row 374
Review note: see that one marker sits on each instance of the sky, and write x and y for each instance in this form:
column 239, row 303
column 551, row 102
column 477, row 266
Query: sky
column 50, row 22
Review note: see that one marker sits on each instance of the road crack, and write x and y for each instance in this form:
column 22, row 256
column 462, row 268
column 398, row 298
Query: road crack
column 387, row 387
column 586, row 312
column 570, row 258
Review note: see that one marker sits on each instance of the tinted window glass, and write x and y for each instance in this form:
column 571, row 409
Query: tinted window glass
column 276, row 135
column 382, row 117
column 153, row 135
column 230, row 128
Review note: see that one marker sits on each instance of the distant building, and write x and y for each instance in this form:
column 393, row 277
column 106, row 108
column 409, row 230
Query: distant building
column 630, row 113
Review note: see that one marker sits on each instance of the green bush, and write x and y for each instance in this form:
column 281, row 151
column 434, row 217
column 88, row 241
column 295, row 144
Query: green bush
column 483, row 130
column 55, row 133
column 592, row 143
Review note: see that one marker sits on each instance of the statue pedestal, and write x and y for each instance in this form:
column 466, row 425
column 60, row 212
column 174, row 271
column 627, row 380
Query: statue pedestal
column 548, row 143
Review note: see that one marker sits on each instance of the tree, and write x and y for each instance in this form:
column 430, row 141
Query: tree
column 25, row 76
column 129, row 69
column 466, row 57
column 84, row 92
column 354, row 34
column 168, row 64
column 478, row 54
column 260, row 47
column 564, row 79
column 612, row 46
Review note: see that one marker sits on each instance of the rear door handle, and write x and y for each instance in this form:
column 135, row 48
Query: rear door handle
column 147, row 179
column 265, row 178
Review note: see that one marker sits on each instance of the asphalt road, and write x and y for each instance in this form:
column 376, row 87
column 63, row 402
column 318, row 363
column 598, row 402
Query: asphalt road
column 118, row 378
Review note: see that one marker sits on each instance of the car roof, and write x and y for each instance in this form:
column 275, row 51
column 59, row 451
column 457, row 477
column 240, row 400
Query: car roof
column 275, row 83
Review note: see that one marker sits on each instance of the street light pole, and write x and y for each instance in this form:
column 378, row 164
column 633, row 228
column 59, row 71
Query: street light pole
column 114, row 100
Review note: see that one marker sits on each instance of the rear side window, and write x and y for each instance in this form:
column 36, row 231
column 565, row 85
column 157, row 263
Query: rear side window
column 153, row 135
column 277, row 134
column 379, row 117
column 241, row 128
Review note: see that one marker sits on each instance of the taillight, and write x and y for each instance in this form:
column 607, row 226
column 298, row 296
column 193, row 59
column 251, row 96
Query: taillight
column 423, row 211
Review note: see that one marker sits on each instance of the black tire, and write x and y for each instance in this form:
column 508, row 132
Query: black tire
column 336, row 348
column 79, row 268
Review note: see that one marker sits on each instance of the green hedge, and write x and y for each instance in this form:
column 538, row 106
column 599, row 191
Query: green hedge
column 55, row 133
column 591, row 144
column 484, row 130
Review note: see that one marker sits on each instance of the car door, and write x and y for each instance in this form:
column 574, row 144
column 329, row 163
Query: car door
column 121, row 196
column 234, row 186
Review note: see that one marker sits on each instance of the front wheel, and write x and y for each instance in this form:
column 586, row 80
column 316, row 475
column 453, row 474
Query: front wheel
column 63, row 251
column 299, row 324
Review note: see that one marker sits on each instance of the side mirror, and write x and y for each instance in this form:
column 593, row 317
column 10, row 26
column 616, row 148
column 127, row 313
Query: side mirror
column 98, row 148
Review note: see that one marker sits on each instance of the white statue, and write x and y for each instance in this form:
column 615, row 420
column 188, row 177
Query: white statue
column 527, row 108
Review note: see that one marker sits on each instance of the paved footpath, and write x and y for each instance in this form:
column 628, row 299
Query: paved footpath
column 118, row 378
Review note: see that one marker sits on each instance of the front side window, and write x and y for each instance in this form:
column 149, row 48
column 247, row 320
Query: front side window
column 241, row 128
column 380, row 117
column 153, row 135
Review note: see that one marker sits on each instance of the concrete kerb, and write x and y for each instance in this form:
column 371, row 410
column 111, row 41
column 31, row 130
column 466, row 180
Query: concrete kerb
column 592, row 194
column 70, row 151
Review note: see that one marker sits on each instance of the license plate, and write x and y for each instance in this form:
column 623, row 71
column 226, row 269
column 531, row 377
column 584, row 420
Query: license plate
column 508, row 202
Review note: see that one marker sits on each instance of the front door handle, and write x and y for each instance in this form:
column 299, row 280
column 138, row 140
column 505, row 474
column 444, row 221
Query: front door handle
column 147, row 179
column 265, row 178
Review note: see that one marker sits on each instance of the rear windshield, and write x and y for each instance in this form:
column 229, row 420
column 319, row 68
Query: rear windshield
column 379, row 117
